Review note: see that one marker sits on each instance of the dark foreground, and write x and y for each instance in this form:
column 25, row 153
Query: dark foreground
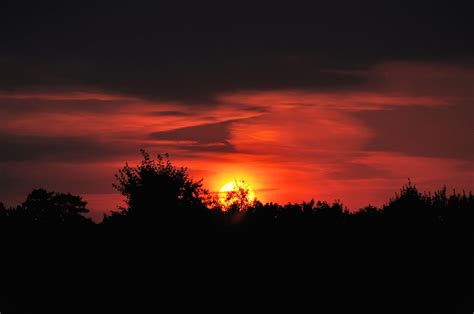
column 375, row 269
column 171, row 251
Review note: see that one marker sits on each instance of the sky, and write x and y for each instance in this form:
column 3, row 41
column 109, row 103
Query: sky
column 341, row 101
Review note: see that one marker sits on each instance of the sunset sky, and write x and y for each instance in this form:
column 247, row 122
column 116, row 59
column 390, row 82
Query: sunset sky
column 328, row 102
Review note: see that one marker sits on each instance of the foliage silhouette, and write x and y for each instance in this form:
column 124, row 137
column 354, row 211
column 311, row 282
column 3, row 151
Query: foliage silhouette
column 165, row 197
column 158, row 193
column 236, row 200
column 48, row 209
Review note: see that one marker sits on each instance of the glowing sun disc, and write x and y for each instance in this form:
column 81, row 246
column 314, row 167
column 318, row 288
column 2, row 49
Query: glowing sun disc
column 235, row 186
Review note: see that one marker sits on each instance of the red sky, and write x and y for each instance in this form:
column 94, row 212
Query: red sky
column 357, row 144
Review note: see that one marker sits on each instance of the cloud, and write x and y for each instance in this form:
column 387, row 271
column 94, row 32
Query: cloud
column 211, row 133
column 358, row 142
column 454, row 80
column 172, row 113
column 421, row 131
column 69, row 149
column 356, row 171
column 22, row 106
column 224, row 147
column 165, row 52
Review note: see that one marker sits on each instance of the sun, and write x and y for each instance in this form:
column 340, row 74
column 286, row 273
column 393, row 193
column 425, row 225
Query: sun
column 235, row 187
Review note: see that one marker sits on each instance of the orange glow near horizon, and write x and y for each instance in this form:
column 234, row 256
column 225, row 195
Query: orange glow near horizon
column 288, row 145
column 235, row 186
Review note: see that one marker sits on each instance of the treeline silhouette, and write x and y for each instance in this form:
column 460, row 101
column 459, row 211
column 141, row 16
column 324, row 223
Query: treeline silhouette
column 163, row 197
column 174, row 245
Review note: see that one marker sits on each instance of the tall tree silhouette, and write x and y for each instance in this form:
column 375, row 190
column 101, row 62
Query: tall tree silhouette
column 160, row 194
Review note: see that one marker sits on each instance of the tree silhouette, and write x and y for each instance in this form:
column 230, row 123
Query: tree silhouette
column 409, row 206
column 238, row 199
column 51, row 208
column 158, row 193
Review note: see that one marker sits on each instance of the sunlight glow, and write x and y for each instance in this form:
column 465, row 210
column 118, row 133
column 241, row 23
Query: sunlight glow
column 234, row 186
